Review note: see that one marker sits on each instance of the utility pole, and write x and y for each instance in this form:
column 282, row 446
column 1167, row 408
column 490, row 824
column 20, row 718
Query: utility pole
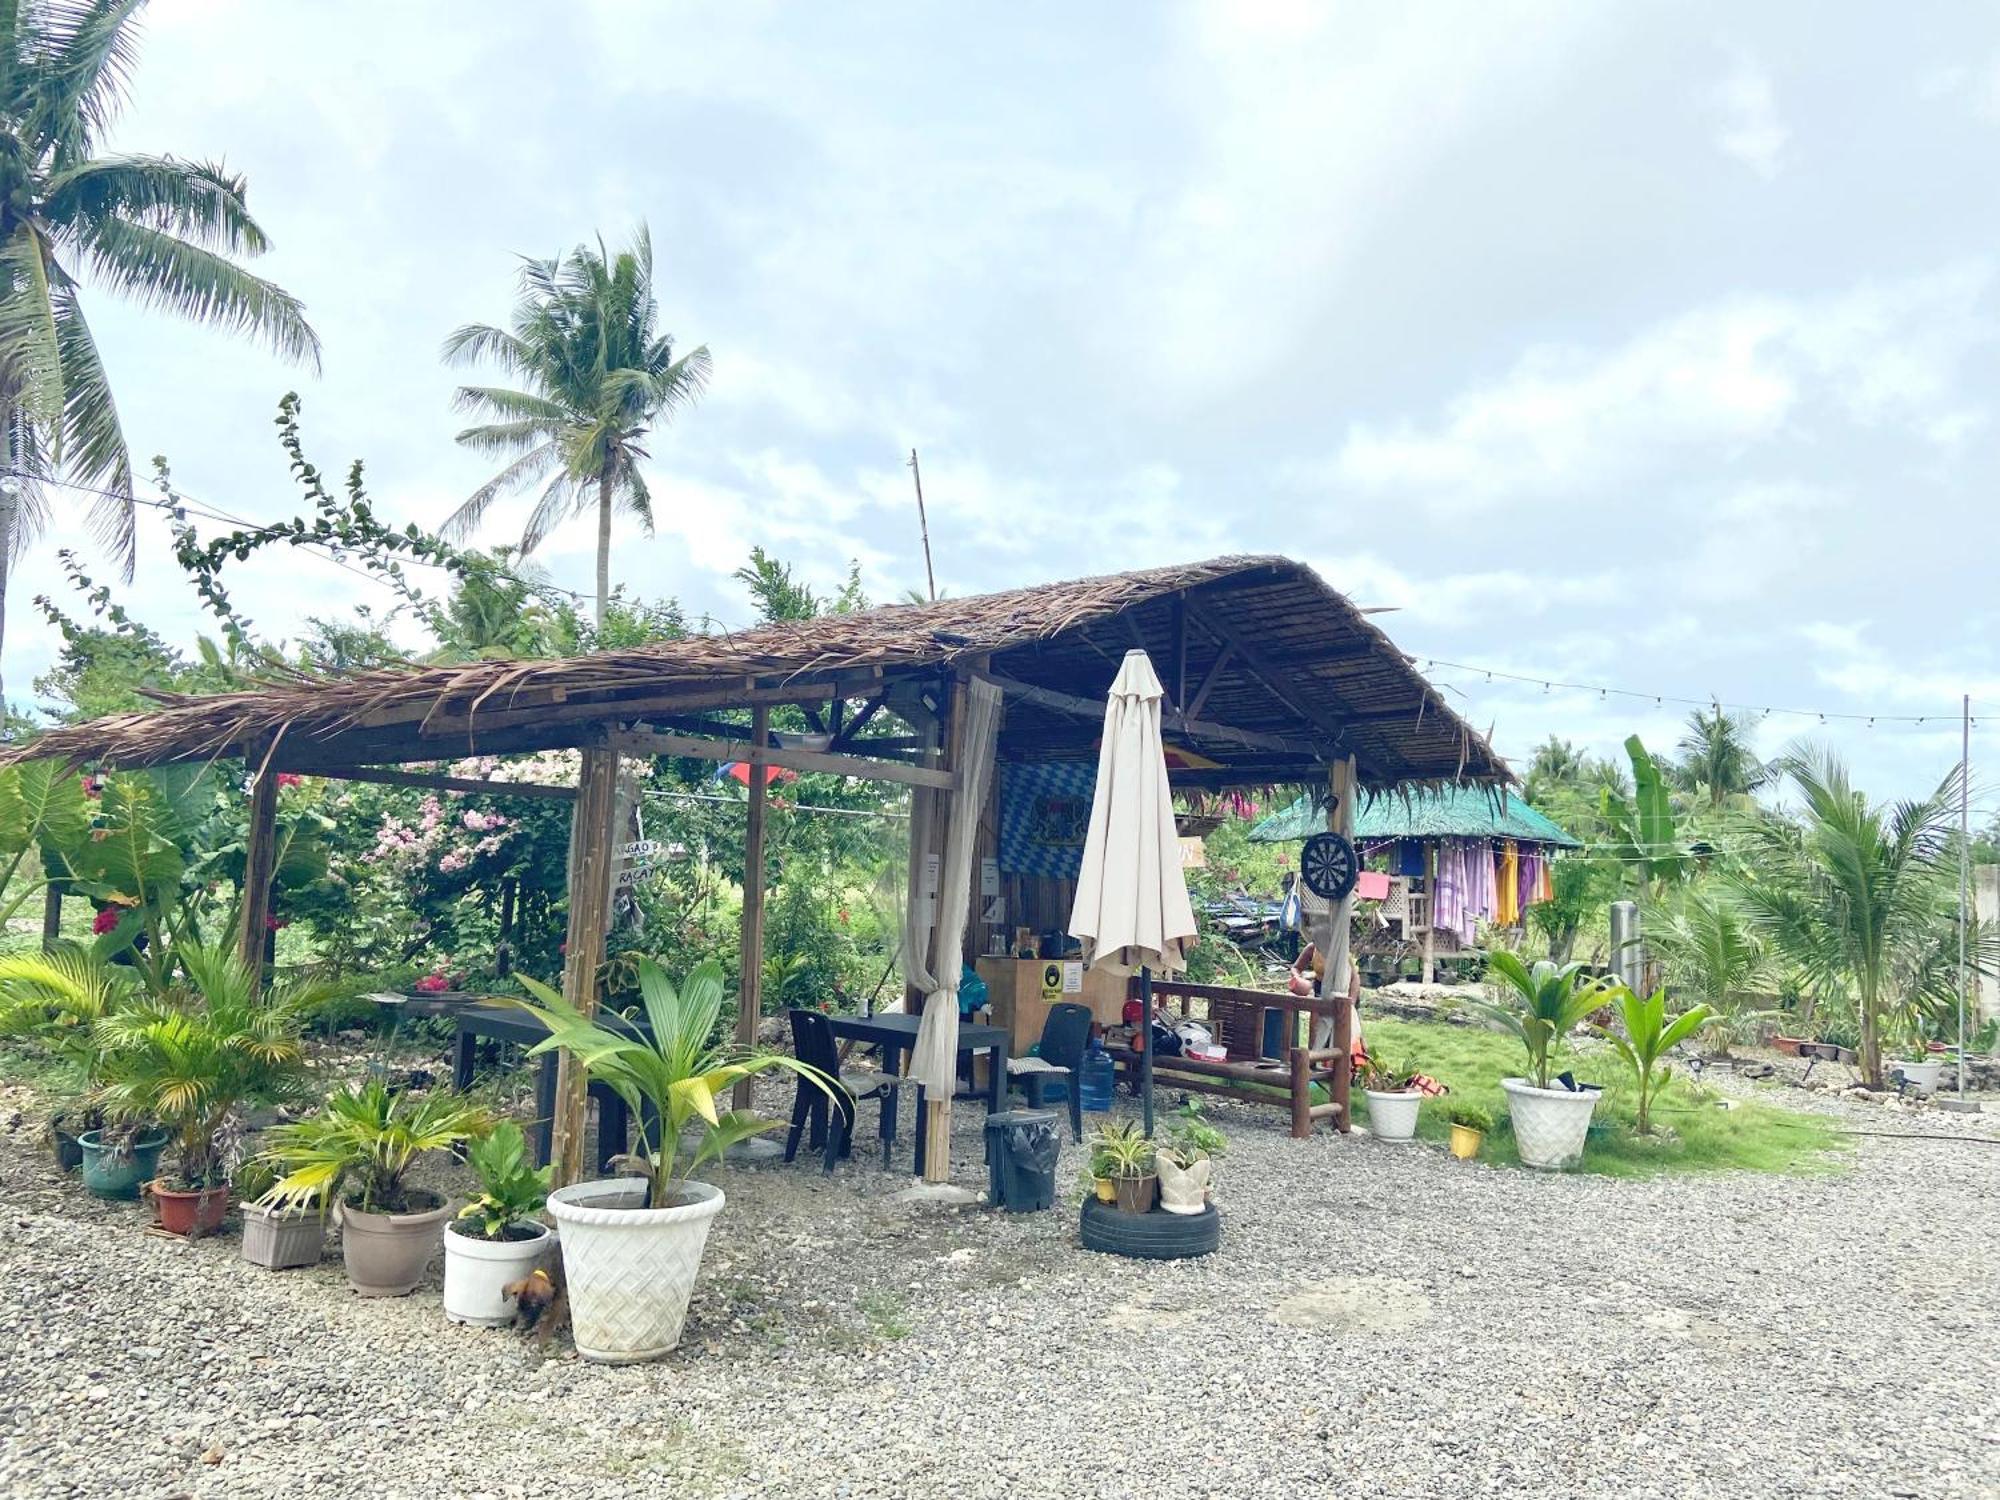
column 1964, row 870
column 923, row 525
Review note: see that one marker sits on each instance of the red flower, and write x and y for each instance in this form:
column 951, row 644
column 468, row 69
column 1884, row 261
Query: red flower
column 105, row 920
column 91, row 786
column 431, row 984
column 288, row 778
column 843, row 916
column 273, row 923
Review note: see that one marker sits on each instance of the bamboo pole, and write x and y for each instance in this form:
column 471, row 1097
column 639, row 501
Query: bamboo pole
column 750, row 988
column 1339, row 914
column 1430, row 910
column 259, row 853
column 593, row 832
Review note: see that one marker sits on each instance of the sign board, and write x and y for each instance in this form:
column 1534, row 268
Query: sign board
column 1072, row 978
column 989, row 877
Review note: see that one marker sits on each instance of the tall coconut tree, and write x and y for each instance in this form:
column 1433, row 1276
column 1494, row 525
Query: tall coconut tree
column 1853, row 893
column 1716, row 756
column 596, row 376
column 156, row 228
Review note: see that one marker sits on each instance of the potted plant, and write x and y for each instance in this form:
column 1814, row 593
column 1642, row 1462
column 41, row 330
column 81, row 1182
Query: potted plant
column 1128, row 1158
column 186, row 1057
column 354, row 1157
column 275, row 1238
column 1392, row 1103
column 1542, row 1006
column 1469, row 1124
column 495, row 1240
column 121, row 1157
column 56, row 998
column 1920, row 1067
column 1186, row 1163
column 632, row 1245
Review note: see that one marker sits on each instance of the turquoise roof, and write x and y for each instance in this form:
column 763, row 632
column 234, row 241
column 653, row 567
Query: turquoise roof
column 1461, row 812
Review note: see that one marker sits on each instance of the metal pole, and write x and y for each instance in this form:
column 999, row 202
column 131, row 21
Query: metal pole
column 1964, row 869
column 1146, row 1046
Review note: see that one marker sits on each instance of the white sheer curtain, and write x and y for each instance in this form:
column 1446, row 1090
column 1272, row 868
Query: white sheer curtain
column 934, row 1061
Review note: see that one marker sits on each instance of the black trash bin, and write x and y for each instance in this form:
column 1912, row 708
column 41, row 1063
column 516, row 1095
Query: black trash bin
column 1022, row 1146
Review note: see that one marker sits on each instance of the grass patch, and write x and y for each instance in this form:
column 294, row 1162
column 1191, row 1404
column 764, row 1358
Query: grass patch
column 1691, row 1132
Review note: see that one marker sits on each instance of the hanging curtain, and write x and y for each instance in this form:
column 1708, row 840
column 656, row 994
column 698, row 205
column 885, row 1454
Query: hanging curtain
column 1507, row 898
column 934, row 1060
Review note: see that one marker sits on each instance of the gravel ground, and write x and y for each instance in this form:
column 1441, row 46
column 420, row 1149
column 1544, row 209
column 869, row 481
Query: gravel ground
column 1381, row 1318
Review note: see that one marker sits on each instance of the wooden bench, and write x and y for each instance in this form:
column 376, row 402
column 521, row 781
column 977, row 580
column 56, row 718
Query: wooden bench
column 1269, row 1062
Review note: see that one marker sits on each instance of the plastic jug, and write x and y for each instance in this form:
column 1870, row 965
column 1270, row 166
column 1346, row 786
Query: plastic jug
column 1099, row 1073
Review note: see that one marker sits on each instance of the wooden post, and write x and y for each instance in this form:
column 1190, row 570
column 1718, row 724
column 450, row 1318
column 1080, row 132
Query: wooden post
column 937, row 1116
column 52, row 900
column 1430, row 910
column 1340, row 914
column 593, row 830
column 1302, row 1125
column 1343, row 1065
column 259, row 850
column 750, row 988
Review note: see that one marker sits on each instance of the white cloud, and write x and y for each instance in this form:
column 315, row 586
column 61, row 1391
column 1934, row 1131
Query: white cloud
column 1747, row 124
column 1568, row 423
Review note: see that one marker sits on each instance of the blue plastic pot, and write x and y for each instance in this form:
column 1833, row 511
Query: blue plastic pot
column 111, row 1172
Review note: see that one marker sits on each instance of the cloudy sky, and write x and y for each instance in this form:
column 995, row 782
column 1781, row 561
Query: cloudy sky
column 1652, row 347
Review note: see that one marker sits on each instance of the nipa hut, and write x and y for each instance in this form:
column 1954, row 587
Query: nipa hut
column 1272, row 678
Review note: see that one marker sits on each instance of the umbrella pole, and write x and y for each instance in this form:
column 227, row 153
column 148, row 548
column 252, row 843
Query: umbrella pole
column 1146, row 1046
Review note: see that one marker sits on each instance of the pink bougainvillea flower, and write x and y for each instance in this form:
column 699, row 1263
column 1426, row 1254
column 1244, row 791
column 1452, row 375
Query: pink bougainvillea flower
column 289, row 778
column 273, row 922
column 105, row 920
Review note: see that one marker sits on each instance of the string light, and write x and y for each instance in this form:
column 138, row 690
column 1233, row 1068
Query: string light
column 1604, row 692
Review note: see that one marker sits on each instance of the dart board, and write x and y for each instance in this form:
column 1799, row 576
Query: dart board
column 1328, row 866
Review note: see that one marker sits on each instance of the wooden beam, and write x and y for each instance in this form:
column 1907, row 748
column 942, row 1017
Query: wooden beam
column 859, row 722
column 1093, row 708
column 1209, row 680
column 259, row 853
column 1267, row 672
column 1180, row 664
column 936, row 1124
column 750, row 987
column 384, row 776
column 593, row 834
column 862, row 768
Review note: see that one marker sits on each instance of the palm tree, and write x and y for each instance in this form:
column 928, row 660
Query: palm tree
column 1854, row 893
column 1716, row 755
column 156, row 228
column 598, row 374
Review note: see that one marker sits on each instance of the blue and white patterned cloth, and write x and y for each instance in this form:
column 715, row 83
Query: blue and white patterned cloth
column 1044, row 816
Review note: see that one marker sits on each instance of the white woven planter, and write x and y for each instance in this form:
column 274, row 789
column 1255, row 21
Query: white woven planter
column 1393, row 1117
column 476, row 1270
column 1549, row 1124
column 1922, row 1077
column 1184, row 1190
column 630, row 1270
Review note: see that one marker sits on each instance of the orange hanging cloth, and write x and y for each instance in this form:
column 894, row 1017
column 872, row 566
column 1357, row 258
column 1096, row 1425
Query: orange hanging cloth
column 1508, row 899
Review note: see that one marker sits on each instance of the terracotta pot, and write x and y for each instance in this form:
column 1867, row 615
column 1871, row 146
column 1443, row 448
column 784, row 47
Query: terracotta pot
column 387, row 1254
column 1135, row 1195
column 1788, row 1045
column 190, row 1215
column 1465, row 1142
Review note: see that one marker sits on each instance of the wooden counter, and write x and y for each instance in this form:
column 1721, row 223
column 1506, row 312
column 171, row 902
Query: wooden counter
column 1019, row 1001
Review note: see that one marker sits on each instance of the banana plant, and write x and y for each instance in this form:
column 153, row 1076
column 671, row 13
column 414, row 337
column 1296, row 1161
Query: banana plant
column 1543, row 1005
column 1649, row 1035
column 671, row 1072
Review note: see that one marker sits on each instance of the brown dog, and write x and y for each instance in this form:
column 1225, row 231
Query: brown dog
column 541, row 1302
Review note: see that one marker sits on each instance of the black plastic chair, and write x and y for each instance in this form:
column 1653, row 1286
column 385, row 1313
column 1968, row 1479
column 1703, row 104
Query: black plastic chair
column 1065, row 1035
column 831, row 1120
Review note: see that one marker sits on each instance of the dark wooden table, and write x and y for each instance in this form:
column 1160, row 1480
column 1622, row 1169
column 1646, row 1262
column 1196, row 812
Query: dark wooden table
column 896, row 1034
column 505, row 1023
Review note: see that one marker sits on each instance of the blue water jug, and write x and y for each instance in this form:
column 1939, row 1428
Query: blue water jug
column 1094, row 1089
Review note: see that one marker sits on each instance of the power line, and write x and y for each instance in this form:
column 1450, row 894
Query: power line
column 1547, row 684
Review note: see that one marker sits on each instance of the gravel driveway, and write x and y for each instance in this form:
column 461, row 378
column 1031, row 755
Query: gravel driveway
column 1381, row 1320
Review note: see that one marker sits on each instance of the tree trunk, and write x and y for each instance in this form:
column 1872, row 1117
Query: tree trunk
column 10, row 511
column 1871, row 1041
column 603, row 550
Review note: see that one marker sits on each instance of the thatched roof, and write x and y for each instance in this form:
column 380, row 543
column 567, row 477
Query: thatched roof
column 1276, row 671
column 1443, row 813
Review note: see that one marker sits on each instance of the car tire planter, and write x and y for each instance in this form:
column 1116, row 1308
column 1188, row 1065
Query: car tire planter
column 1393, row 1117
column 387, row 1254
column 1549, row 1124
column 1328, row 866
column 630, row 1270
column 477, row 1272
column 1159, row 1236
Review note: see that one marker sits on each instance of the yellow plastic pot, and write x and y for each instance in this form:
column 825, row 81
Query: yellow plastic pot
column 1107, row 1190
column 1465, row 1142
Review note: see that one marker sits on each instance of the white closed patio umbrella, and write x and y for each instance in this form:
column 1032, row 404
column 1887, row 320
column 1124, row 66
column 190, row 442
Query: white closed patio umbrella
column 1132, row 910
